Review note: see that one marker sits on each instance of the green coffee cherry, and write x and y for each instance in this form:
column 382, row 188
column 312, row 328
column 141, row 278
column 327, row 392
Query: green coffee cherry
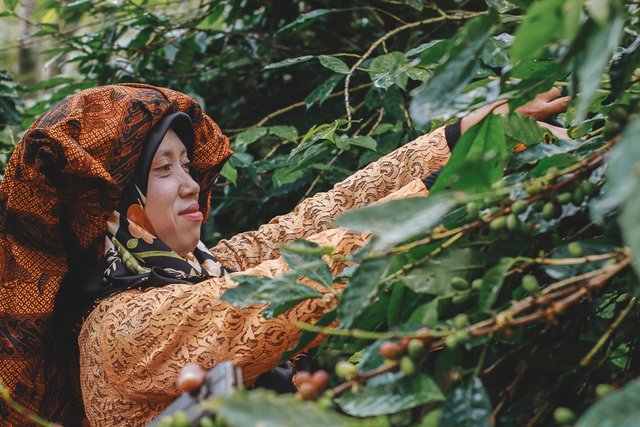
column 590, row 189
column 451, row 342
column 499, row 185
column 519, row 206
column 498, row 224
column 575, row 250
column 346, row 370
column 564, row 416
column 604, row 389
column 564, row 198
column 476, row 284
column 513, row 223
column 166, row 421
column 618, row 114
column 207, row 422
column 578, row 196
column 407, row 366
column 460, row 321
column 611, row 129
column 534, row 188
column 181, row 419
column 530, row 284
column 473, row 211
column 461, row 298
column 416, row 349
column 548, row 211
column 459, row 283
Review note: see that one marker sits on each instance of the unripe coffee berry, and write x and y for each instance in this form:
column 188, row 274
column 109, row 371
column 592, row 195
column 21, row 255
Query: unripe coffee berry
column 513, row 224
column 498, row 223
column 519, row 206
column 564, row 416
column 460, row 321
column 459, row 283
column 604, row 389
column 549, row 211
column 564, row 198
column 407, row 366
column 346, row 370
column 575, row 250
column 416, row 349
column 476, row 284
column 473, row 211
column 530, row 284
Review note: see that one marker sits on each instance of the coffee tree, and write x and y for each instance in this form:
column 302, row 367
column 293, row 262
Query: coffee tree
column 506, row 297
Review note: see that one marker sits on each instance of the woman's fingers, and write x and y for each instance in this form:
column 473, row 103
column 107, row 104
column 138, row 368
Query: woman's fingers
column 558, row 106
column 550, row 95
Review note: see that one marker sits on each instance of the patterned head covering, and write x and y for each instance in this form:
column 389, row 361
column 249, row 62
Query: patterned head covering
column 61, row 185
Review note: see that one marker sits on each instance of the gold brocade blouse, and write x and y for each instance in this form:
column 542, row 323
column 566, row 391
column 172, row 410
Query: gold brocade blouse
column 133, row 344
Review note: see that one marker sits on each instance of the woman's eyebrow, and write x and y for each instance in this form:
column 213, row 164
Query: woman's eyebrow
column 168, row 153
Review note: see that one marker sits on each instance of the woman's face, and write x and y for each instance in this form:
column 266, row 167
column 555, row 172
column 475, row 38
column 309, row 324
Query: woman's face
column 172, row 197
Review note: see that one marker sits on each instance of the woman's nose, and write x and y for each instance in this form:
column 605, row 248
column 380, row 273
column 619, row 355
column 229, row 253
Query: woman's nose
column 188, row 186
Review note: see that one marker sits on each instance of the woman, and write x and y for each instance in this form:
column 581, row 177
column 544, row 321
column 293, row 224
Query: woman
column 110, row 187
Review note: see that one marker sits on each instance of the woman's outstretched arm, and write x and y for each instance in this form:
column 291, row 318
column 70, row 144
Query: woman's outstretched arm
column 409, row 163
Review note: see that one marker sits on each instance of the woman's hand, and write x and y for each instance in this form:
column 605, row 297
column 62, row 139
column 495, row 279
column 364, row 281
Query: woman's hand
column 541, row 107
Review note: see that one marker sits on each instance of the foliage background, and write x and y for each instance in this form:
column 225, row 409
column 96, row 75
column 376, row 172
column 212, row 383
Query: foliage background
column 310, row 91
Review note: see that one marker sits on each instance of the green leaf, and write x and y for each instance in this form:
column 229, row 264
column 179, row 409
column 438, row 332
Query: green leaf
column 250, row 136
column 467, row 406
column 622, row 165
column 541, row 27
column 334, row 64
column 502, row 6
column 451, row 77
column 495, row 52
column 229, row 172
column 416, row 4
column 309, row 17
column 599, row 10
column 267, row 409
column 629, row 220
column 361, row 290
column 477, row 160
column 624, row 64
column 10, row 4
column 322, row 92
column 281, row 293
column 521, row 129
column 364, row 141
column 288, row 175
column 384, row 70
column 618, row 409
column 440, row 45
column 590, row 55
column 288, row 62
column 571, row 16
column 289, row 133
column 389, row 393
column 434, row 276
column 398, row 220
column 305, row 259
column 492, row 282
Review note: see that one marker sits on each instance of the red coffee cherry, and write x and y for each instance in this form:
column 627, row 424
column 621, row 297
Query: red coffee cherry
column 320, row 379
column 300, row 378
column 191, row 377
column 307, row 391
column 391, row 350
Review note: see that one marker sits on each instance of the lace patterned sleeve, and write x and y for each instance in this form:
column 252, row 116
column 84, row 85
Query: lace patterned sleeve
column 412, row 161
column 133, row 344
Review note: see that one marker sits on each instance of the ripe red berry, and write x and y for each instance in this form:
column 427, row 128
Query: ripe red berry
column 300, row 378
column 390, row 350
column 320, row 379
column 404, row 342
column 307, row 391
column 191, row 377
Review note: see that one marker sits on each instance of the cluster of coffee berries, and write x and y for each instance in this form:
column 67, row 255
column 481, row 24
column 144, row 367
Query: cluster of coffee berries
column 310, row 386
column 408, row 352
column 619, row 116
column 181, row 419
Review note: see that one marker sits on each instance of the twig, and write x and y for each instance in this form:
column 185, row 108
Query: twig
column 607, row 334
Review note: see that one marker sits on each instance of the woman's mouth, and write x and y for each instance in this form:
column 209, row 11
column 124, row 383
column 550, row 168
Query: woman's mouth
column 192, row 212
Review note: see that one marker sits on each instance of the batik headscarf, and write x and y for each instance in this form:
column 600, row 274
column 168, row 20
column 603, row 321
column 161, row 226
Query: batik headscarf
column 61, row 185
column 134, row 256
